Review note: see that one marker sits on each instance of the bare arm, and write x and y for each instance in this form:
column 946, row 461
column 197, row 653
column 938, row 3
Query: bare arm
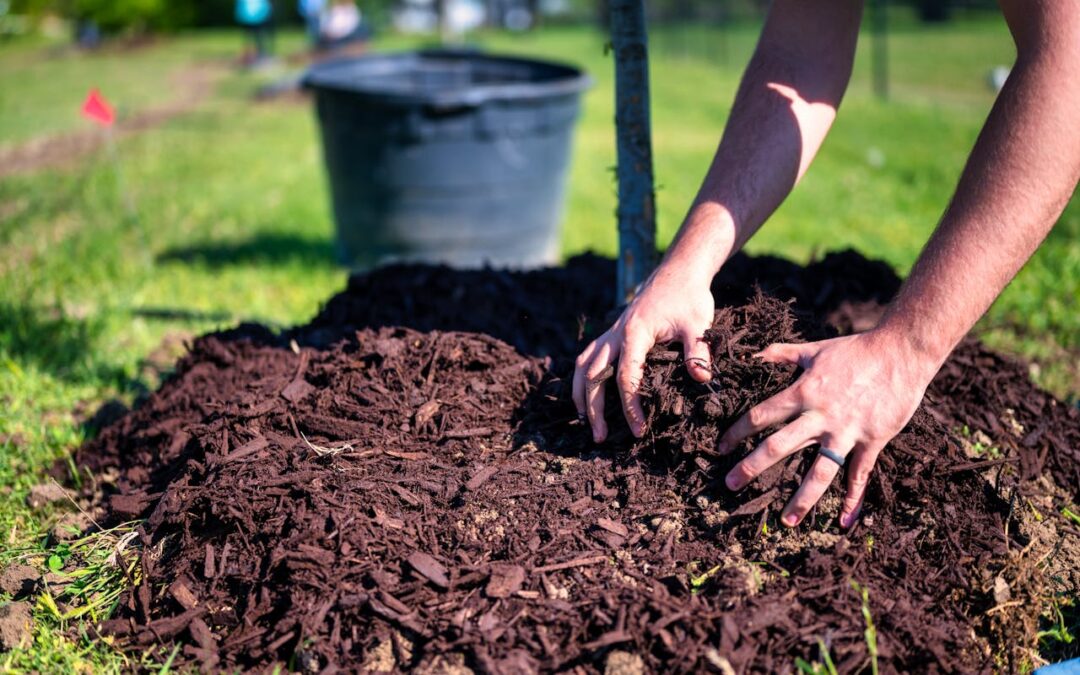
column 783, row 110
column 858, row 392
column 1018, row 180
column 785, row 105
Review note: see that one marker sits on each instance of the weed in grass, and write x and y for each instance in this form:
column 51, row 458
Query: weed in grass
column 978, row 444
column 698, row 582
column 870, row 634
column 1059, row 630
column 167, row 666
column 88, row 576
column 105, row 564
column 1070, row 515
column 823, row 667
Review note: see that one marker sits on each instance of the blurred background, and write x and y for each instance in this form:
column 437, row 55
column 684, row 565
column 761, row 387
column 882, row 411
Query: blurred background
column 207, row 203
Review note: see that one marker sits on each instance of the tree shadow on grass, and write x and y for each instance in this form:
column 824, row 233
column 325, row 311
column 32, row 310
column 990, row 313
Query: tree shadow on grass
column 47, row 339
column 270, row 249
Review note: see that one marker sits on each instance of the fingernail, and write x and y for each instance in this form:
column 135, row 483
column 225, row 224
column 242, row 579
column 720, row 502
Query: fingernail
column 848, row 519
column 732, row 482
column 790, row 520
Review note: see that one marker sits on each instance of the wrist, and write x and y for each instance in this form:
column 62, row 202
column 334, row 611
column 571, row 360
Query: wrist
column 904, row 342
column 704, row 243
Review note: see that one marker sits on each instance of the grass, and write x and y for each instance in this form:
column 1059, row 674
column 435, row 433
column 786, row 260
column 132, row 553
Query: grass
column 823, row 667
column 231, row 220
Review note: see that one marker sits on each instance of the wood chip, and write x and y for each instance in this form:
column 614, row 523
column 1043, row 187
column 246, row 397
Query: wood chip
column 247, row 449
column 468, row 433
column 425, row 412
column 505, row 580
column 757, row 504
column 612, row 527
column 576, row 562
column 181, row 592
column 480, row 477
column 429, row 568
column 411, row 456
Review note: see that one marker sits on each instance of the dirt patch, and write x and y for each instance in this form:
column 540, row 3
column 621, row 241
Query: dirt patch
column 46, row 493
column 16, row 625
column 192, row 85
column 403, row 483
column 18, row 580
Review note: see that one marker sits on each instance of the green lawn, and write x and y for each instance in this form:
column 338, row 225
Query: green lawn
column 232, row 222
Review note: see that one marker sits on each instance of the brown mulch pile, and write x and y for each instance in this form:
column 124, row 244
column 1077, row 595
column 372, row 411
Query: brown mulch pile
column 403, row 483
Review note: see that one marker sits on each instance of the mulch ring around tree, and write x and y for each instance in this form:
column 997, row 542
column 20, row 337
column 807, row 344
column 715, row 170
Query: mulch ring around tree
column 404, row 484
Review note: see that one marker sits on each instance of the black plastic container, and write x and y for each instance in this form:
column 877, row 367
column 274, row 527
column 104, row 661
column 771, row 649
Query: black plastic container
column 453, row 157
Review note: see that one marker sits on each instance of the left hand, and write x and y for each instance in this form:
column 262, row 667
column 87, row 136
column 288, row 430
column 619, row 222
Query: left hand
column 855, row 394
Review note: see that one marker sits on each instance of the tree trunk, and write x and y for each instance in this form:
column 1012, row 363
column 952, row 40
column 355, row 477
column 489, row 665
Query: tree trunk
column 637, row 209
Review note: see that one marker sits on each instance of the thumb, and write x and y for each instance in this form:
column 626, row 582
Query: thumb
column 784, row 353
column 696, row 353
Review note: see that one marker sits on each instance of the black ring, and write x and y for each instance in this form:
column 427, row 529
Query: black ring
column 832, row 454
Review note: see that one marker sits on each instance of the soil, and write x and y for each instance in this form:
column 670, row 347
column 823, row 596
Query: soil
column 16, row 625
column 46, row 493
column 18, row 580
column 404, row 484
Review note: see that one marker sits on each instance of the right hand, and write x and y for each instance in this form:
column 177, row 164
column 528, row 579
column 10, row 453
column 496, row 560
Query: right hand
column 671, row 305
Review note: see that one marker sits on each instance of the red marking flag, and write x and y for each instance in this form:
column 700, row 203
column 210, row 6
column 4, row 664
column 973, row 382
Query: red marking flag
column 97, row 109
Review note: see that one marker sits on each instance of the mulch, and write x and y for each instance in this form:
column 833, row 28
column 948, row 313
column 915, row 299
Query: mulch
column 403, row 484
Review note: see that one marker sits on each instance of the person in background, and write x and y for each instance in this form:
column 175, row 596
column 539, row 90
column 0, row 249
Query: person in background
column 256, row 15
column 341, row 24
column 312, row 13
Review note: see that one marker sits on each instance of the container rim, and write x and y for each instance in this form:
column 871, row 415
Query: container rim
column 319, row 77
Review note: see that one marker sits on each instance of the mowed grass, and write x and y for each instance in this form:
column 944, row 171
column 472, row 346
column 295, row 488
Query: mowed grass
column 231, row 219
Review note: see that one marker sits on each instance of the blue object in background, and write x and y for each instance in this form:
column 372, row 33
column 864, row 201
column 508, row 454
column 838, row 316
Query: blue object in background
column 311, row 11
column 252, row 12
column 1070, row 667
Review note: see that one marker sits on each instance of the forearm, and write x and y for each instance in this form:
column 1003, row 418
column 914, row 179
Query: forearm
column 1021, row 174
column 784, row 108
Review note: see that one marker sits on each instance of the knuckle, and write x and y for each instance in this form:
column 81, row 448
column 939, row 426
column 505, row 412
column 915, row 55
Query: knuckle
column 821, row 473
column 861, row 476
column 756, row 416
column 634, row 332
column 772, row 449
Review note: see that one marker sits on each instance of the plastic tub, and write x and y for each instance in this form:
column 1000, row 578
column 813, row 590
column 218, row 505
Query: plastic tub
column 449, row 157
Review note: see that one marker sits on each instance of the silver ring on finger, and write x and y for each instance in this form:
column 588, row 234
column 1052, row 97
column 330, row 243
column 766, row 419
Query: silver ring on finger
column 833, row 455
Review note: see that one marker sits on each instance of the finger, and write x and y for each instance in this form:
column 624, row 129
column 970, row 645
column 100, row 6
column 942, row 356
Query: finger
column 636, row 346
column 779, row 408
column 784, row 353
column 696, row 352
column 814, row 484
column 858, row 477
column 792, row 438
column 581, row 365
column 594, row 390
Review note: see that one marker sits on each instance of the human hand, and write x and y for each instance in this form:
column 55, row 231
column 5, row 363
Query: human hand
column 673, row 304
column 855, row 394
